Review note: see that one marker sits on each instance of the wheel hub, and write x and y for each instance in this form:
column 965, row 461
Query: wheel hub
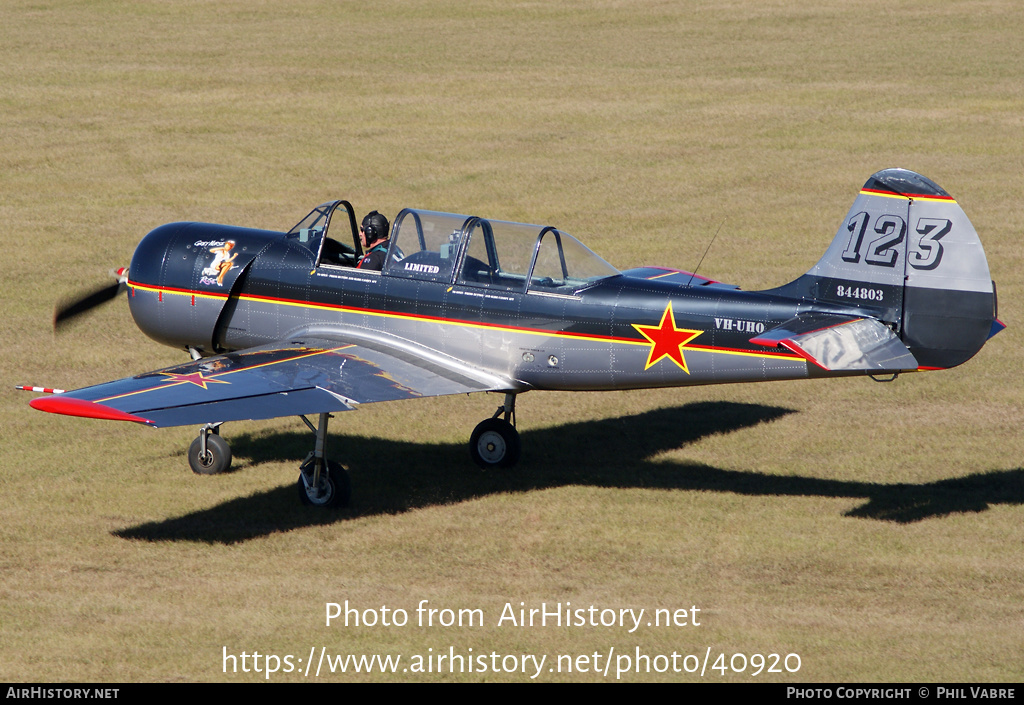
column 492, row 447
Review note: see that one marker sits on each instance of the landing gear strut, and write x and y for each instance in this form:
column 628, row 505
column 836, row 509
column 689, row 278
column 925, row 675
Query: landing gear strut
column 495, row 441
column 209, row 454
column 322, row 482
column 325, row 483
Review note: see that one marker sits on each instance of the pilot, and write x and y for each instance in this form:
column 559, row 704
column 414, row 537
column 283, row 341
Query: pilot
column 374, row 233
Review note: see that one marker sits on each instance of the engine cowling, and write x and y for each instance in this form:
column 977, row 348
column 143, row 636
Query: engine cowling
column 182, row 275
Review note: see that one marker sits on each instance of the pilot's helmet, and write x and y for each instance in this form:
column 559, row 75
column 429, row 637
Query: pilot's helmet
column 375, row 226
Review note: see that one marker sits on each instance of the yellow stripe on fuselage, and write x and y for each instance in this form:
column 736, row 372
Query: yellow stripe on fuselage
column 467, row 324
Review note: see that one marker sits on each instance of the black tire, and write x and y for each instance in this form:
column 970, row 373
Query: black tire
column 494, row 444
column 335, row 491
column 216, row 460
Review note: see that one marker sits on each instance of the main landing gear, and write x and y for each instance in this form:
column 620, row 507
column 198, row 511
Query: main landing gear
column 323, row 482
column 495, row 441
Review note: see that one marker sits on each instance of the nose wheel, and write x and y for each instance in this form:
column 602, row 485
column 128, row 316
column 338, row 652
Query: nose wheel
column 325, row 483
column 495, row 441
column 209, row 454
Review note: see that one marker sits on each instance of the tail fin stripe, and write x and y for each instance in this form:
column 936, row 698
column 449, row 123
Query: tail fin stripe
column 914, row 196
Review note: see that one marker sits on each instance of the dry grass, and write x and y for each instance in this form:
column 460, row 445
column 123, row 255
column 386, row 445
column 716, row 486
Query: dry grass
column 872, row 529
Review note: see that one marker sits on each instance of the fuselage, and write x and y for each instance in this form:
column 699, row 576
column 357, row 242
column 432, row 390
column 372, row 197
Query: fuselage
column 218, row 288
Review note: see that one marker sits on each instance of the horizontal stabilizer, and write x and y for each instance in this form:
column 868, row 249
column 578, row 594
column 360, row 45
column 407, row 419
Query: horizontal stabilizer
column 841, row 343
column 997, row 327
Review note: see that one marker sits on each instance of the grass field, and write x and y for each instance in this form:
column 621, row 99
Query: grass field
column 875, row 530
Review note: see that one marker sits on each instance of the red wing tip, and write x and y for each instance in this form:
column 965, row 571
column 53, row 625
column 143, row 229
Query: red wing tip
column 59, row 404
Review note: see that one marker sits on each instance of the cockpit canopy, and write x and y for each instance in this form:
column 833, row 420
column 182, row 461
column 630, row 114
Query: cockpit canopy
column 460, row 249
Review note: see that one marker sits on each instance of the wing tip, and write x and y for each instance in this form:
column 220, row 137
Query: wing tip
column 59, row 404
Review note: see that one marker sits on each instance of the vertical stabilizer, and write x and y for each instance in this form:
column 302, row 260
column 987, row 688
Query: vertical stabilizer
column 907, row 251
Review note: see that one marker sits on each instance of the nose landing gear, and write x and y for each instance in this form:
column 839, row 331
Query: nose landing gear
column 325, row 483
column 209, row 454
column 322, row 482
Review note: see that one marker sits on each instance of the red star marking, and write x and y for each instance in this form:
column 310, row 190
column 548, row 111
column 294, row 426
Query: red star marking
column 195, row 378
column 667, row 340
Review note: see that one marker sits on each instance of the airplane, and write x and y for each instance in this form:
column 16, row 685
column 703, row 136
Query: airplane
column 285, row 323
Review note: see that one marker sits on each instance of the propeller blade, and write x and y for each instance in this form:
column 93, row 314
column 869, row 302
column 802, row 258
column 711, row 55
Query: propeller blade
column 69, row 309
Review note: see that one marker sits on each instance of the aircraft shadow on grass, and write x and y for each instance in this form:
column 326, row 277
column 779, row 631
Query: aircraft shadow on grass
column 391, row 477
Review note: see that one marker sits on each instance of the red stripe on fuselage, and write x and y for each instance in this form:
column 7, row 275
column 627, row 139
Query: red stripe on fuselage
column 463, row 322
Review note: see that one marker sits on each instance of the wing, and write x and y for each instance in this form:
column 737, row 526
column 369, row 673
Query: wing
column 841, row 343
column 305, row 376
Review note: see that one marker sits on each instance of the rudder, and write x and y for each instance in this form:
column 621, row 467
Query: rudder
column 907, row 252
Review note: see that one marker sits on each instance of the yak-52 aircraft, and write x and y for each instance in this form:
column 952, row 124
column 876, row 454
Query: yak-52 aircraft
column 284, row 323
